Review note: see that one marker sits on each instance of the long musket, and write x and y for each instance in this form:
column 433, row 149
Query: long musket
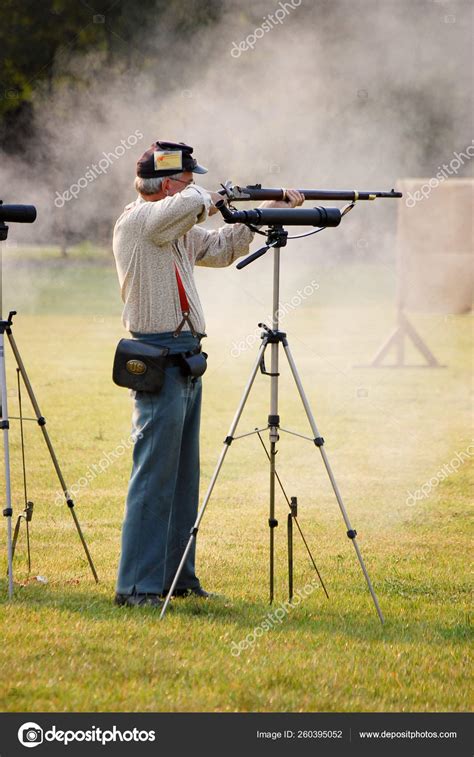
column 258, row 193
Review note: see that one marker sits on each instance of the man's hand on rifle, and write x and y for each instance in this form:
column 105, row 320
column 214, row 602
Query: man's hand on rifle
column 293, row 198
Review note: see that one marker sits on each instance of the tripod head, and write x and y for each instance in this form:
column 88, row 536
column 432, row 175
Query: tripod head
column 275, row 218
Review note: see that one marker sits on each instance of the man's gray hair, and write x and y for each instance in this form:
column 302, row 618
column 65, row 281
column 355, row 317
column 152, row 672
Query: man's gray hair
column 152, row 186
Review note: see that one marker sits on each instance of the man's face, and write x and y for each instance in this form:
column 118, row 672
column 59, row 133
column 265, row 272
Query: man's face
column 172, row 186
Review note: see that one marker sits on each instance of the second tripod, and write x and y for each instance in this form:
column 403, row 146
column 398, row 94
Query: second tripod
column 6, row 328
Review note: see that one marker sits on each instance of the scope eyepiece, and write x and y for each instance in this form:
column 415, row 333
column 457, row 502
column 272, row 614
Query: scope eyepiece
column 17, row 213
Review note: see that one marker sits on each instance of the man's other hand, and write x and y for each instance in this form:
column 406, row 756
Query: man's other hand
column 215, row 197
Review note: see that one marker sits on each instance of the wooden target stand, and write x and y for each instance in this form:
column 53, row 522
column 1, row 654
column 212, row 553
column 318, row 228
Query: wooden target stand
column 395, row 342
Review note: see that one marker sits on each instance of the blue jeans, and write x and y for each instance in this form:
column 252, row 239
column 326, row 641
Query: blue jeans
column 163, row 491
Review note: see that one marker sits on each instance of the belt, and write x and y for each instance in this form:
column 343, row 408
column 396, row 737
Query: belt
column 177, row 358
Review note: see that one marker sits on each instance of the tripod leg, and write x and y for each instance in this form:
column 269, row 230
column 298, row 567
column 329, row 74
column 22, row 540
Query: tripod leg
column 272, row 521
column 26, row 515
column 4, row 425
column 319, row 441
column 273, row 418
column 290, row 555
column 42, row 424
column 16, row 534
column 28, row 545
column 227, row 443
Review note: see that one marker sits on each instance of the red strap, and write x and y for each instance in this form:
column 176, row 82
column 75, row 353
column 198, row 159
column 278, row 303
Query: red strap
column 182, row 292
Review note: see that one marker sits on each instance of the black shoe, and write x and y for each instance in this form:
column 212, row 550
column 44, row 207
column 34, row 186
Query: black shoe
column 195, row 591
column 138, row 600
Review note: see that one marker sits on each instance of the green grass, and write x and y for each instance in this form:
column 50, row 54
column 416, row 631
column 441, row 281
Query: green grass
column 67, row 648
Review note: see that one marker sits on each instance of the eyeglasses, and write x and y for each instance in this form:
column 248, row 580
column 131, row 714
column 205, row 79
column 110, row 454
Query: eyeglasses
column 186, row 183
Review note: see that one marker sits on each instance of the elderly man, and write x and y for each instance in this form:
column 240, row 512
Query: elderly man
column 157, row 243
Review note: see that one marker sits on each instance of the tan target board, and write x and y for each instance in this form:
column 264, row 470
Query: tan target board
column 435, row 245
column 434, row 250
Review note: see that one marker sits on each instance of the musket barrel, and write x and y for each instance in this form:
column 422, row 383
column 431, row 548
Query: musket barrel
column 261, row 193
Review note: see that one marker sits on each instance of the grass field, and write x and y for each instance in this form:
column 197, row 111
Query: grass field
column 66, row 647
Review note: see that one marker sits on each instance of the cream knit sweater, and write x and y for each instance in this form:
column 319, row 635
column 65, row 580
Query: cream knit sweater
column 149, row 237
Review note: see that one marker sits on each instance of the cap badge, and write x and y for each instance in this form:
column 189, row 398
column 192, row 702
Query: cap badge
column 167, row 160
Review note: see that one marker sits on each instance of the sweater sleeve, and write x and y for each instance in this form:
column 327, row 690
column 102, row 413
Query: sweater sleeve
column 174, row 216
column 219, row 248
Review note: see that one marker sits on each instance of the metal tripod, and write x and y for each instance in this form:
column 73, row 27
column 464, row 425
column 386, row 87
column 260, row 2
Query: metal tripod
column 273, row 337
column 6, row 328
